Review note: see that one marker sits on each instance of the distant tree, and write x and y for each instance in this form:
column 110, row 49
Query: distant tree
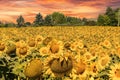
column 84, row 21
column 20, row 21
column 27, row 24
column 48, row 20
column 91, row 23
column 103, row 20
column 73, row 21
column 38, row 20
column 111, row 14
column 58, row 18
column 117, row 16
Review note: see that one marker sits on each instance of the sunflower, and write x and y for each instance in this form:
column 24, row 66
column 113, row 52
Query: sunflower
column 118, row 51
column 74, row 46
column 31, row 42
column 93, row 68
column 115, row 72
column 38, row 39
column 44, row 51
column 47, row 40
column 88, row 56
column 59, row 65
column 22, row 51
column 107, row 44
column 103, row 62
column 55, row 46
column 20, row 43
column 11, row 47
column 79, row 71
column 34, row 68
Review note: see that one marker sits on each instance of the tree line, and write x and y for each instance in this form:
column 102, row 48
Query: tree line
column 110, row 18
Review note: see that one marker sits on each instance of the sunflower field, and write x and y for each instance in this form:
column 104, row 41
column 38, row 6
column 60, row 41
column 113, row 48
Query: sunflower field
column 60, row 53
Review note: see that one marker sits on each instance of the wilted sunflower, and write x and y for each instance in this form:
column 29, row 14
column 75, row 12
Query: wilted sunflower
column 31, row 42
column 11, row 47
column 20, row 43
column 115, row 72
column 34, row 68
column 80, row 70
column 22, row 51
column 55, row 46
column 47, row 40
column 59, row 65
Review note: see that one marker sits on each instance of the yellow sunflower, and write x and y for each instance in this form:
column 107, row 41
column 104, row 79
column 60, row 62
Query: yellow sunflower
column 106, row 43
column 74, row 46
column 44, row 51
column 118, row 51
column 93, row 68
column 103, row 62
column 115, row 72
column 20, row 43
column 39, row 39
column 34, row 68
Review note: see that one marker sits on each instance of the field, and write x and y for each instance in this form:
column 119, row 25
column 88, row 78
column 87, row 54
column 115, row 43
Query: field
column 60, row 53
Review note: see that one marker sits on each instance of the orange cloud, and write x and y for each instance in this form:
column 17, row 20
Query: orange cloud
column 11, row 9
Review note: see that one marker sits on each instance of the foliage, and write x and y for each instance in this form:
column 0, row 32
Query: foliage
column 20, row 21
column 38, row 20
column 103, row 20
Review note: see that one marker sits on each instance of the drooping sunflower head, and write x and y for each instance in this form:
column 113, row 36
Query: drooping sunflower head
column 11, row 47
column 60, row 65
column 20, row 43
column 47, row 40
column 80, row 67
column 38, row 39
column 55, row 46
column 31, row 42
column 22, row 51
column 34, row 68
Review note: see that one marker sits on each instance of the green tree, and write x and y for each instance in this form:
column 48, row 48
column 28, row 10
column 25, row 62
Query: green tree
column 20, row 21
column 111, row 14
column 84, row 21
column 58, row 18
column 38, row 20
column 73, row 21
column 103, row 20
column 117, row 16
column 48, row 20
column 27, row 24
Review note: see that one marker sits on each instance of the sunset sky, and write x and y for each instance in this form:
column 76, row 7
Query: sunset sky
column 11, row 9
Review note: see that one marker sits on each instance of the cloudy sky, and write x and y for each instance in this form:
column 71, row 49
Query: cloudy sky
column 11, row 9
